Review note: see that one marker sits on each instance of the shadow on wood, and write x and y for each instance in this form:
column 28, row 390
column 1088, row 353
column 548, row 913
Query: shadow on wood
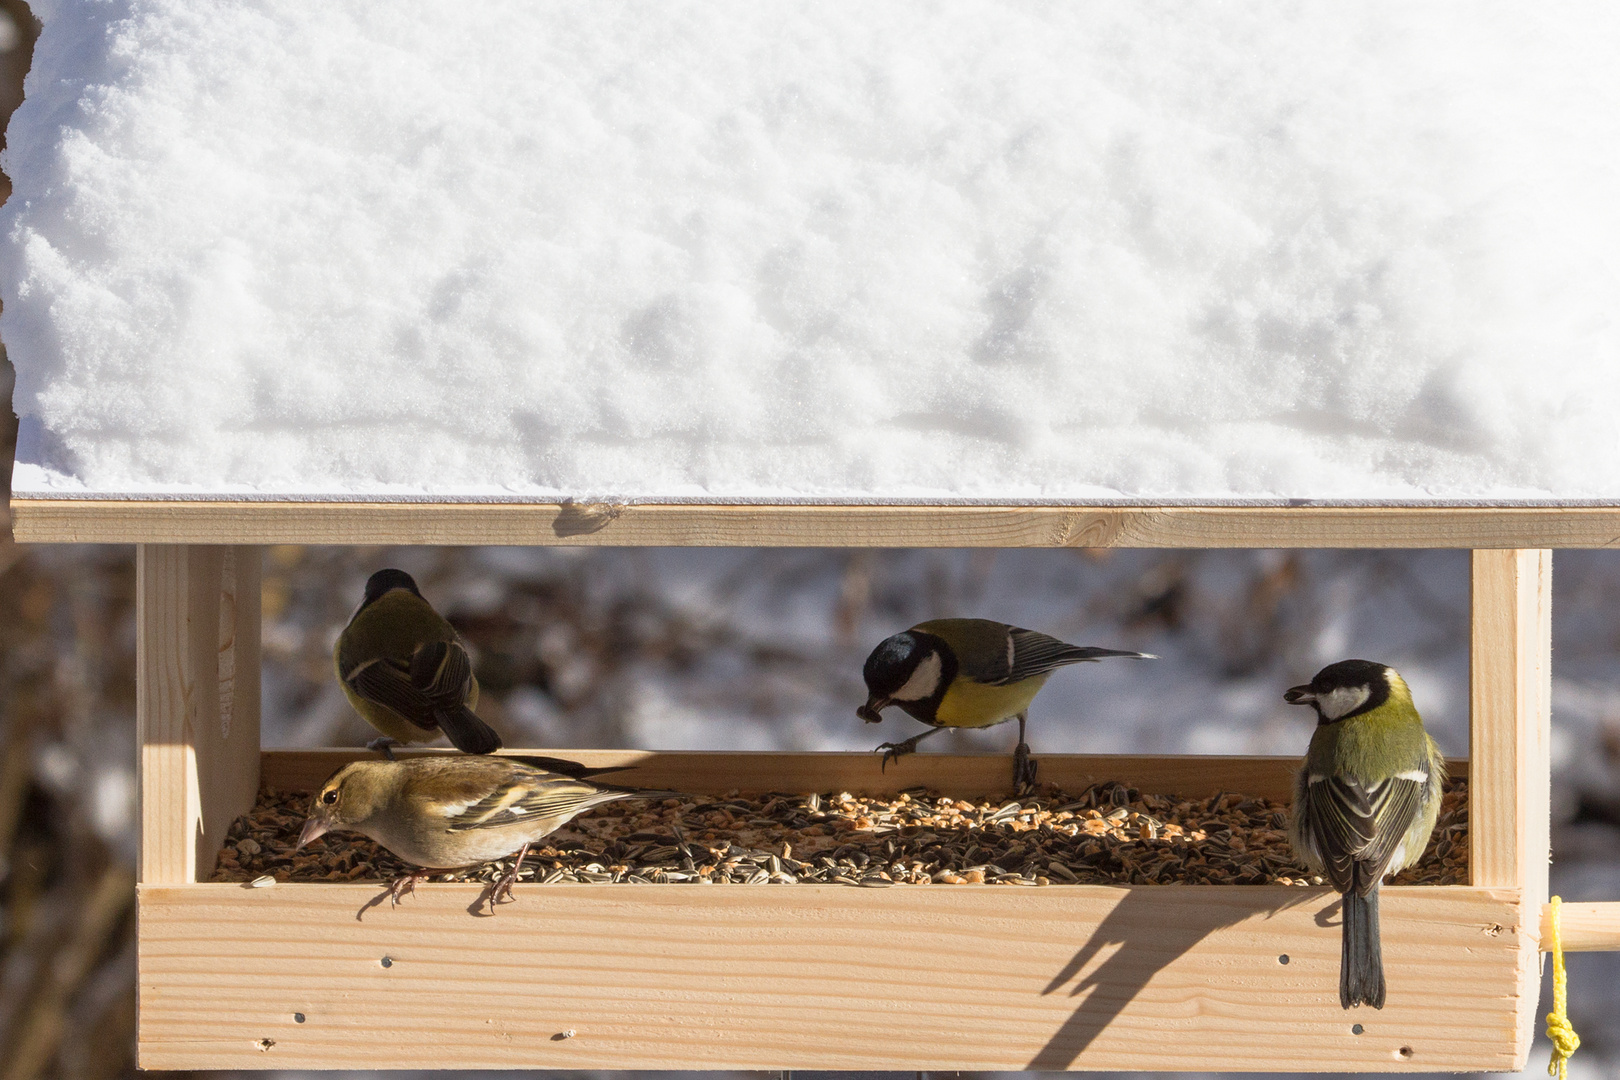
column 1148, row 943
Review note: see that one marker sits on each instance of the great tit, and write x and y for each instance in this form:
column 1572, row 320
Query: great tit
column 406, row 671
column 967, row 673
column 1365, row 802
column 445, row 811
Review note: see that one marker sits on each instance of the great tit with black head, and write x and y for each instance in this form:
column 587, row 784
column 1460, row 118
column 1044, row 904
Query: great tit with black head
column 404, row 669
column 967, row 673
column 1365, row 802
column 445, row 811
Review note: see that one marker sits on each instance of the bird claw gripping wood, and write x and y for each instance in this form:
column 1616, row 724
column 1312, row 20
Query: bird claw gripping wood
column 1023, row 770
column 401, row 887
column 895, row 751
column 503, row 887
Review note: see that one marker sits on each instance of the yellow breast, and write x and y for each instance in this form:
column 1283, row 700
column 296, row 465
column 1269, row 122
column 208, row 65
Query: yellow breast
column 971, row 704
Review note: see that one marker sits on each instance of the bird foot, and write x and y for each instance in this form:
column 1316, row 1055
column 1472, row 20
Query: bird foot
column 503, row 887
column 894, row 751
column 1023, row 769
column 383, row 745
column 403, row 886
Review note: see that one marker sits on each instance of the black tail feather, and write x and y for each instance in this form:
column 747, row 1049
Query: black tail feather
column 1361, row 960
column 568, row 768
column 466, row 731
column 1078, row 653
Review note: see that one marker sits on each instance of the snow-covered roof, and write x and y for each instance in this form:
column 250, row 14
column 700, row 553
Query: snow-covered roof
column 724, row 250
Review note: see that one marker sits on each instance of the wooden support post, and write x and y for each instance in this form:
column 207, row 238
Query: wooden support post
column 1593, row 926
column 197, row 702
column 1510, row 778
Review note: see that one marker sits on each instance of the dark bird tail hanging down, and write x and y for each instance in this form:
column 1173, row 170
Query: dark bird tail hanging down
column 1361, row 960
column 441, row 672
column 466, row 731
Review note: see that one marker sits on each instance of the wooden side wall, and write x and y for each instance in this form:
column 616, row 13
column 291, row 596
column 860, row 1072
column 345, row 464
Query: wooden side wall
column 197, row 702
column 1510, row 729
column 818, row 977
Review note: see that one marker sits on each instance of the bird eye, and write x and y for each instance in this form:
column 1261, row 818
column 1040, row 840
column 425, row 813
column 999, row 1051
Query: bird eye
column 329, row 797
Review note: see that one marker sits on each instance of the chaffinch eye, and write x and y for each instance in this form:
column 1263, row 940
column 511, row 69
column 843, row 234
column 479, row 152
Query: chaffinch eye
column 329, row 797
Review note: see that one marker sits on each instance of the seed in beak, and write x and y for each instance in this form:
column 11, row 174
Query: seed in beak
column 1299, row 695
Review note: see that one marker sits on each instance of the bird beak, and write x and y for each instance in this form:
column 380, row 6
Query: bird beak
column 872, row 711
column 1299, row 695
column 314, row 828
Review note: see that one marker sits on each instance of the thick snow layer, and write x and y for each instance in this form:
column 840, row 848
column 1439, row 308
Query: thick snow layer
column 823, row 250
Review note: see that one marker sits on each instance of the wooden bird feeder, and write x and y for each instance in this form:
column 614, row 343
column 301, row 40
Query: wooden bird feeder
column 814, row 976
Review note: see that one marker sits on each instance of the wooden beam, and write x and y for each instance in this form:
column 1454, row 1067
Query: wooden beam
column 963, row 775
column 1584, row 927
column 197, row 702
column 818, row 977
column 224, row 522
column 1510, row 729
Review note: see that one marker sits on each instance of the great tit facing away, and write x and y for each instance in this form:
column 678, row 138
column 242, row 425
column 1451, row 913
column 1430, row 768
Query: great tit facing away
column 967, row 673
column 1365, row 802
column 443, row 811
column 405, row 670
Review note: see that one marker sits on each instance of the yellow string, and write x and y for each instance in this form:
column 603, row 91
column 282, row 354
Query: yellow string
column 1565, row 1041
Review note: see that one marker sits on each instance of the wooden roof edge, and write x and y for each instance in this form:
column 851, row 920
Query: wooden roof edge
column 173, row 521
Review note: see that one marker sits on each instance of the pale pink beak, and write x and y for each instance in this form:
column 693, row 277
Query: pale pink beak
column 314, row 828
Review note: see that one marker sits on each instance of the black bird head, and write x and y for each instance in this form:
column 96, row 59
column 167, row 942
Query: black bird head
column 385, row 581
column 907, row 667
column 1343, row 690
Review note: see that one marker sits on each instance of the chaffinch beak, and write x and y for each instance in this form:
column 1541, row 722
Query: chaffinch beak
column 314, row 828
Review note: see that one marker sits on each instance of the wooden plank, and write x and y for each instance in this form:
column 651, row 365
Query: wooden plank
column 964, row 775
column 1509, row 735
column 225, row 522
column 169, row 798
column 1584, row 927
column 817, row 977
column 228, row 751
column 198, row 736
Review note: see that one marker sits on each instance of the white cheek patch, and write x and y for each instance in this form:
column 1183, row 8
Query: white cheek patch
column 1343, row 701
column 923, row 682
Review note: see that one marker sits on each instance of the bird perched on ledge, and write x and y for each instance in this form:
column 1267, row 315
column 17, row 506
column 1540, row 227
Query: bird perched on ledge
column 404, row 669
column 446, row 811
column 967, row 673
column 1365, row 803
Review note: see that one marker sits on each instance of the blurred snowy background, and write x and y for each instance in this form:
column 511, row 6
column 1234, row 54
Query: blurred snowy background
column 749, row 649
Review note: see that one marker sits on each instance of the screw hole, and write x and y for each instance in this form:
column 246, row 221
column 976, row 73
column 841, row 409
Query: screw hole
column 1356, row 1029
column 298, row 1018
column 1283, row 959
column 1406, row 1051
column 387, row 961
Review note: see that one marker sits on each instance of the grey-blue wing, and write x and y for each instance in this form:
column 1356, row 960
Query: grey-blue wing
column 387, row 682
column 1033, row 653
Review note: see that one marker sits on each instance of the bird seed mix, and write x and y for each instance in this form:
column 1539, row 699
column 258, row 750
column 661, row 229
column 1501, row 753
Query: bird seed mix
column 1108, row 834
